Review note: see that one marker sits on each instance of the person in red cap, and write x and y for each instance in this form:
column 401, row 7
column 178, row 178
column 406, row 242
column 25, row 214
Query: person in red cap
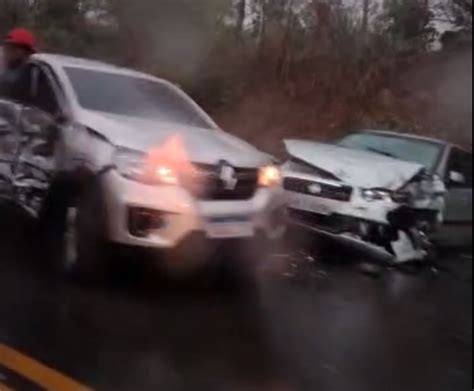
column 18, row 46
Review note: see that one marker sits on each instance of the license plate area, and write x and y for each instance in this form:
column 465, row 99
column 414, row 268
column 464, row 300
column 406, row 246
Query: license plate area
column 309, row 204
column 230, row 227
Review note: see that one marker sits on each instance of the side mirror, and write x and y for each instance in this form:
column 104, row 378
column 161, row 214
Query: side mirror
column 457, row 178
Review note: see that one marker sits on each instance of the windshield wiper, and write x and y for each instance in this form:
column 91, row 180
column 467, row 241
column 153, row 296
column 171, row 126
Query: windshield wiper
column 380, row 152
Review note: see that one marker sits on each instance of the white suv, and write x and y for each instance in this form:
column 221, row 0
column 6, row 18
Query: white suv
column 129, row 159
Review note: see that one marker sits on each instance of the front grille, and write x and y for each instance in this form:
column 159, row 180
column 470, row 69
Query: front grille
column 207, row 185
column 334, row 223
column 333, row 192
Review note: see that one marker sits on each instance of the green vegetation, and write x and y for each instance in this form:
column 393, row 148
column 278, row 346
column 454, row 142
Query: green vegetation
column 279, row 66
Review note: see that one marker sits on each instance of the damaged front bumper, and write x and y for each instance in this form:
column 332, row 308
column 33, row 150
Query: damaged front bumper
column 387, row 245
column 344, row 238
column 383, row 229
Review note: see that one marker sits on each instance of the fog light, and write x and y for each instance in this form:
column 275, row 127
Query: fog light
column 141, row 222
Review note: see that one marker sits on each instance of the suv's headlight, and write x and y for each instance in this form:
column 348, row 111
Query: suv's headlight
column 270, row 176
column 372, row 195
column 140, row 167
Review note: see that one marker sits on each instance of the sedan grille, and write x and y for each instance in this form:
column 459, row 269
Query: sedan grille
column 207, row 184
column 317, row 189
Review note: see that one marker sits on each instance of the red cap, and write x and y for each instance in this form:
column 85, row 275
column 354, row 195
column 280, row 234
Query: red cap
column 21, row 37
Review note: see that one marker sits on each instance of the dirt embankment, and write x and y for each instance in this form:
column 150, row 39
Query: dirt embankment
column 429, row 94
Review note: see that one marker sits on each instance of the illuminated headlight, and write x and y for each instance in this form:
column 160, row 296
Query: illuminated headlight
column 372, row 195
column 138, row 166
column 270, row 176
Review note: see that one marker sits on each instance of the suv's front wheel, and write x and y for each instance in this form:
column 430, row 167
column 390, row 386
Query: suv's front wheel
column 73, row 232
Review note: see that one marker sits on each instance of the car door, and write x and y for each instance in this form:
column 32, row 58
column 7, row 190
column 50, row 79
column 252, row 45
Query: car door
column 35, row 164
column 9, row 146
column 39, row 134
column 458, row 214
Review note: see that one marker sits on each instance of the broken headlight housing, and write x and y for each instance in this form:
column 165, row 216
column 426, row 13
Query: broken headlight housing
column 372, row 195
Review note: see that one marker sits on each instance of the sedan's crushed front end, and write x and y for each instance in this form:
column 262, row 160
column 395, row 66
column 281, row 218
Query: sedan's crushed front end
column 376, row 212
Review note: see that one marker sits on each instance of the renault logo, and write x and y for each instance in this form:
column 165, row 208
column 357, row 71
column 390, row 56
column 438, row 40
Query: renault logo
column 227, row 175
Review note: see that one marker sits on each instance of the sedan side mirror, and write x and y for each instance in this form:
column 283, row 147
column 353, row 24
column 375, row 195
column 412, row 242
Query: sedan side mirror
column 457, row 178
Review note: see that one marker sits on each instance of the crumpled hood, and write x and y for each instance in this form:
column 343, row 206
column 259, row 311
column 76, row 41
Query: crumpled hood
column 206, row 146
column 356, row 168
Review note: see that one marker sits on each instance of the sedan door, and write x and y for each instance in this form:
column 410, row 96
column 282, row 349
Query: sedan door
column 9, row 146
column 457, row 228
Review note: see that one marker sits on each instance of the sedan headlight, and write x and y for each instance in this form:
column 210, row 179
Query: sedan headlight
column 140, row 167
column 270, row 176
column 372, row 195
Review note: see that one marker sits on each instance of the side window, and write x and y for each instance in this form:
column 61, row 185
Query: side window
column 460, row 169
column 43, row 94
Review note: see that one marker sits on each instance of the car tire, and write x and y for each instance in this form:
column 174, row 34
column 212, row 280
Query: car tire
column 74, row 229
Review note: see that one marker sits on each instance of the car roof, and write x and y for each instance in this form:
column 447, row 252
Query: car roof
column 61, row 61
column 412, row 136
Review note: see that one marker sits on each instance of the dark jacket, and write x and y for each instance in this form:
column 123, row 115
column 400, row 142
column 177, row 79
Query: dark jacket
column 15, row 84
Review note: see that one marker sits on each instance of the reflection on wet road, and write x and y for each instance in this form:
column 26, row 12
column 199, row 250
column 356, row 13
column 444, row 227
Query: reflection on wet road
column 315, row 327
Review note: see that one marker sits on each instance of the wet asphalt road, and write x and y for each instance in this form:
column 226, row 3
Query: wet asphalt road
column 316, row 326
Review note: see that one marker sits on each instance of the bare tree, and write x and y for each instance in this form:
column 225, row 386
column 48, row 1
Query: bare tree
column 365, row 16
column 241, row 8
column 16, row 12
column 456, row 12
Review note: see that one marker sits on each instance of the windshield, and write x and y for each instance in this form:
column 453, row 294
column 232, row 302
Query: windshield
column 134, row 96
column 403, row 148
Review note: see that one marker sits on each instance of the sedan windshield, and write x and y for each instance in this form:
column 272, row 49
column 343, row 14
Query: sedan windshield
column 135, row 97
column 423, row 152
